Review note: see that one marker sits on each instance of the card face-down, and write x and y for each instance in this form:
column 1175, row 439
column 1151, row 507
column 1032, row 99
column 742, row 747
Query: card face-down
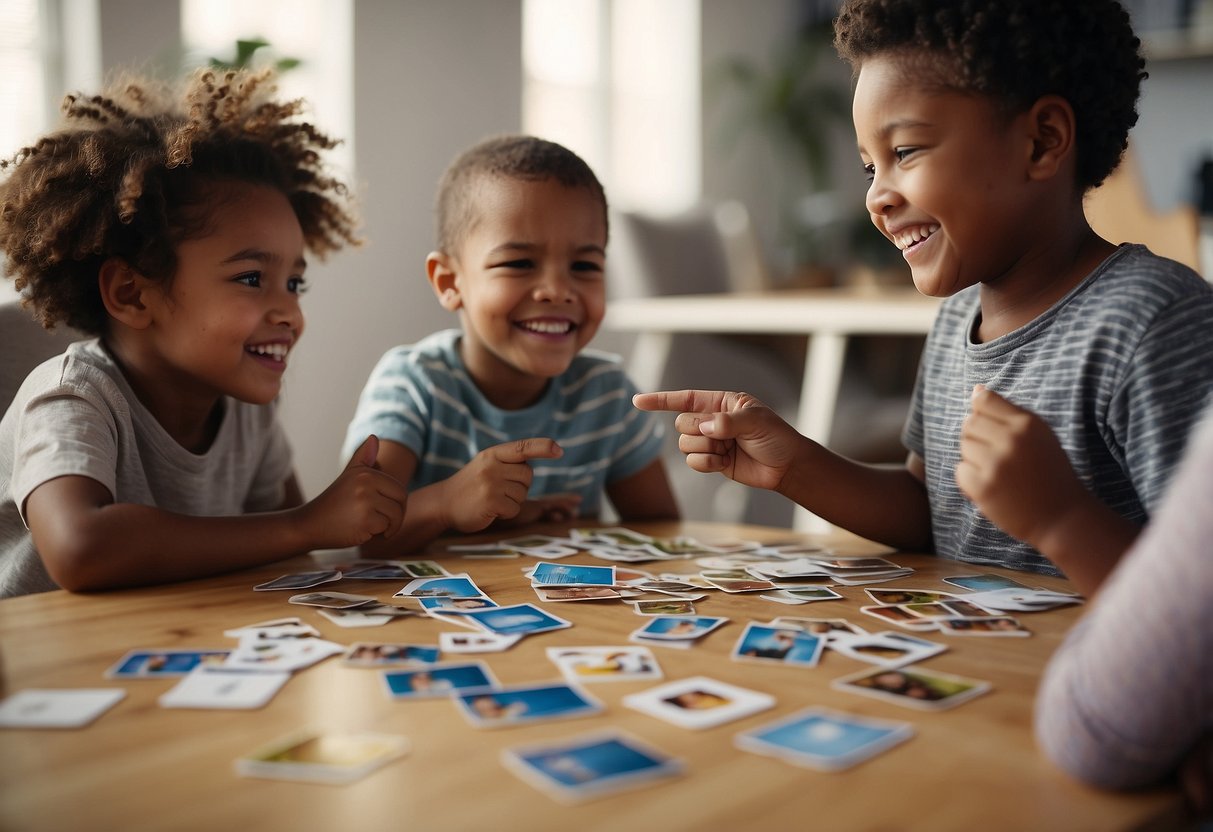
column 57, row 708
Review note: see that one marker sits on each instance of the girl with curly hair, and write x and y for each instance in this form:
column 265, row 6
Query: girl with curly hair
column 171, row 225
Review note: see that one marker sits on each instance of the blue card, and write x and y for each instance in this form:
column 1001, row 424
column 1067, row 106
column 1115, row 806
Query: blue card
column 590, row 765
column 154, row 664
column 437, row 680
column 496, row 707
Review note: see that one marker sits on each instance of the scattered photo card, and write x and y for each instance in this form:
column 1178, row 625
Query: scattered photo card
column 742, row 585
column 665, row 606
column 614, row 536
column 571, row 574
column 993, row 625
column 499, row 707
column 55, row 708
column 540, row 546
column 366, row 654
column 518, row 619
column 379, row 572
column 679, row 627
column 887, row 649
column 605, row 664
column 220, row 687
column 277, row 628
column 913, row 687
column 699, row 702
column 1021, row 600
column 825, row 740
column 668, row 586
column 908, row 596
column 154, row 664
column 896, row 614
column 331, row 600
column 577, row 593
column 803, row 596
column 422, row 568
column 475, row 642
column 788, row 646
column 456, row 604
column 322, row 757
column 844, row 564
column 300, row 580
column 288, row 655
column 984, row 581
column 819, row 626
column 589, row 766
column 437, row 680
column 450, row 586
column 354, row 618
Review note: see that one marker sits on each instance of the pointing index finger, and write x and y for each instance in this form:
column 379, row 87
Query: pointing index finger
column 681, row 401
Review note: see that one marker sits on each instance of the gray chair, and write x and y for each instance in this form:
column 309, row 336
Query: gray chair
column 709, row 249
column 24, row 344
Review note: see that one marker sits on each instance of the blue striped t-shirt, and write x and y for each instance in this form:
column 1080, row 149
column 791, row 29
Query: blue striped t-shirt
column 422, row 397
column 1120, row 369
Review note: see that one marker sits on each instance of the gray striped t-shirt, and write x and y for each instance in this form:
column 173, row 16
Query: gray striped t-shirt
column 1120, row 369
column 422, row 397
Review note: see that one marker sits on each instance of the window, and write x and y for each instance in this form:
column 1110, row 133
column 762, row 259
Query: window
column 617, row 81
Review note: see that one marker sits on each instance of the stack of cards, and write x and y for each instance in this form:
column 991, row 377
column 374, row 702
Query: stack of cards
column 558, row 582
column 589, row 766
column 825, row 740
column 319, row 757
column 676, row 630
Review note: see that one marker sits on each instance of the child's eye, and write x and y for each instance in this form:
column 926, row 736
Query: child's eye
column 869, row 172
column 902, row 152
column 588, row 267
column 516, row 264
column 296, row 285
column 252, row 279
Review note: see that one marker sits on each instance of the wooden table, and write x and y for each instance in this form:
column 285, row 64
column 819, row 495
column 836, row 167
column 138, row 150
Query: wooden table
column 829, row 317
column 141, row 766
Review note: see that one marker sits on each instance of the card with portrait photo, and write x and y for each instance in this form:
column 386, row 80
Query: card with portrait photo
column 699, row 702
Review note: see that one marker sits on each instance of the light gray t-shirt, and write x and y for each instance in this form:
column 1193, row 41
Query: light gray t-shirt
column 76, row 415
column 1120, row 369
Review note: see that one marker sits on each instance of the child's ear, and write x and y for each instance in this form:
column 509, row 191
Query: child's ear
column 1051, row 129
column 444, row 279
column 122, row 291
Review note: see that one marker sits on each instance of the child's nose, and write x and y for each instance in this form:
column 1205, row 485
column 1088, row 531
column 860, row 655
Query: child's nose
column 286, row 311
column 881, row 196
column 554, row 286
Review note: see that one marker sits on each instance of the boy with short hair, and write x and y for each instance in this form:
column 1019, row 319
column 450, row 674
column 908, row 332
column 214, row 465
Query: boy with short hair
column 1062, row 376
column 508, row 419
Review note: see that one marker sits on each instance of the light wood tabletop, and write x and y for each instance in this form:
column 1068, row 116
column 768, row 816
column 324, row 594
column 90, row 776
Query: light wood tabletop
column 142, row 766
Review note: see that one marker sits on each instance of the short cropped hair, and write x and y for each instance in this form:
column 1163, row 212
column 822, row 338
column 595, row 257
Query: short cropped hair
column 1016, row 51
column 133, row 172
column 511, row 157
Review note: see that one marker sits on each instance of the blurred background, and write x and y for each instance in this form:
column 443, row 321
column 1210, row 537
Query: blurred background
column 721, row 131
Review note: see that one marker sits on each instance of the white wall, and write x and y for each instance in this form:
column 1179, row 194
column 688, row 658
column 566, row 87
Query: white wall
column 429, row 80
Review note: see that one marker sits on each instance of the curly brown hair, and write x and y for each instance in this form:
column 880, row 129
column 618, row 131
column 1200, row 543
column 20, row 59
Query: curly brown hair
column 1016, row 51
column 131, row 173
column 512, row 157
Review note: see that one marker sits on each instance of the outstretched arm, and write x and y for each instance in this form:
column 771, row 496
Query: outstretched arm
column 737, row 435
column 491, row 488
column 1015, row 471
column 89, row 542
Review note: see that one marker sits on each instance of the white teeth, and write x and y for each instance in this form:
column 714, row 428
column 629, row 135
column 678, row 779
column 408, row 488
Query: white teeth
column 547, row 327
column 907, row 238
column 276, row 351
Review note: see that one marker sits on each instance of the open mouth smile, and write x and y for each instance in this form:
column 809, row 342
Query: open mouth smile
column 272, row 354
column 907, row 239
column 547, row 326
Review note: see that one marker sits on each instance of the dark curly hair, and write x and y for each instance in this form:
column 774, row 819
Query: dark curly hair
column 1016, row 51
column 132, row 172
column 512, row 157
